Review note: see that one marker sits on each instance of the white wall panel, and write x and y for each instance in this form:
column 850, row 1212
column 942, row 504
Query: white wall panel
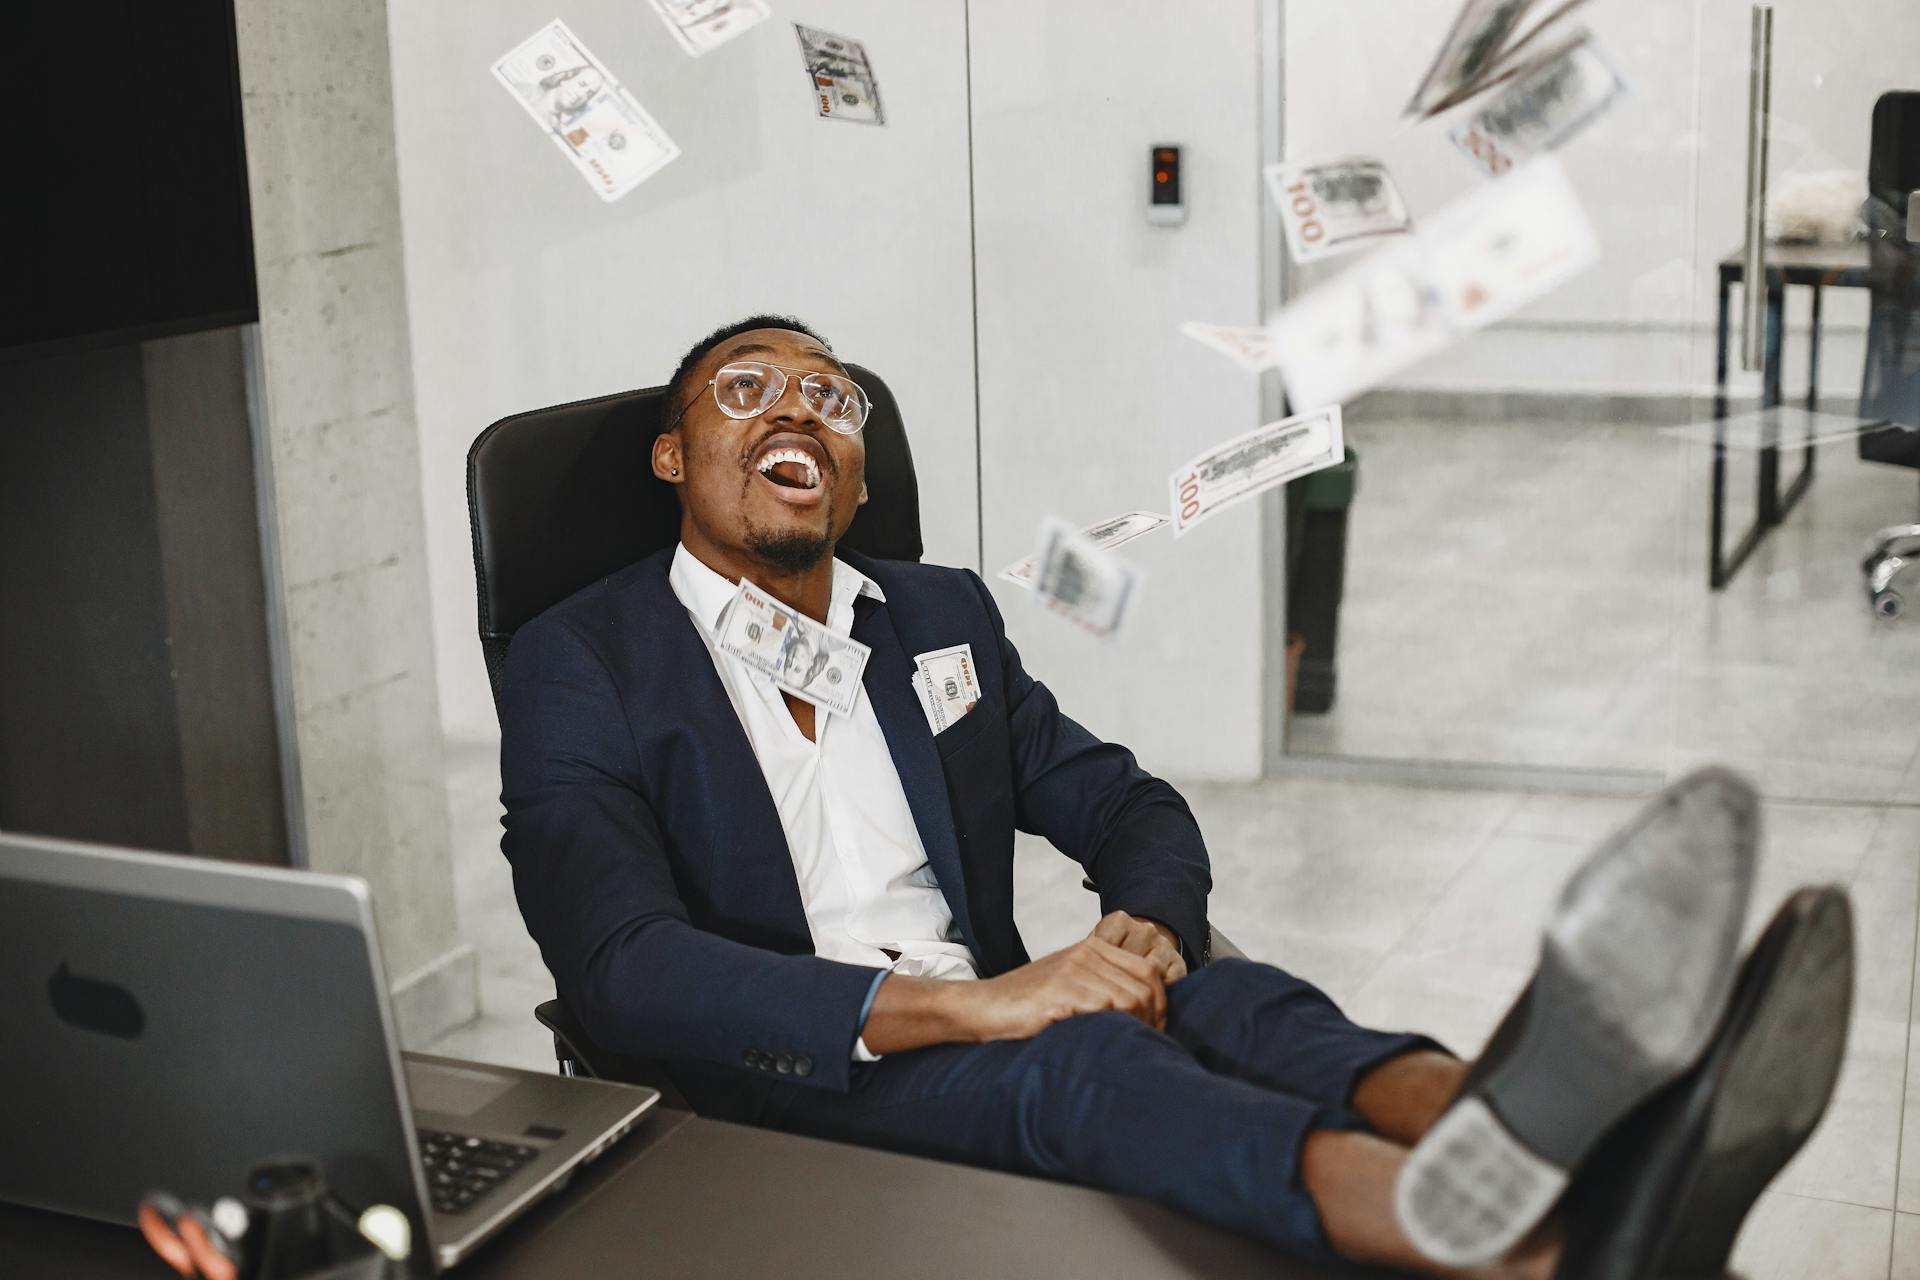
column 1089, row 396
column 526, row 290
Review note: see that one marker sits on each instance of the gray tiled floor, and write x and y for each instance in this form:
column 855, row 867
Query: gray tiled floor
column 1534, row 593
column 1419, row 908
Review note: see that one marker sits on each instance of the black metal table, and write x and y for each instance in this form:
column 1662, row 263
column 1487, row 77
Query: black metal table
column 1815, row 266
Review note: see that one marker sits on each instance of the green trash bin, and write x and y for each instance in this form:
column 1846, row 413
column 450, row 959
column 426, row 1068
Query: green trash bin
column 1317, row 512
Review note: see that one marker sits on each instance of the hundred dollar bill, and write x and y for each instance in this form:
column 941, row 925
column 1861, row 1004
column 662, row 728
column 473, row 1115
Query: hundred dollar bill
column 1254, row 462
column 607, row 135
column 947, row 685
column 1366, row 324
column 1106, row 534
column 843, row 83
column 1251, row 349
column 1508, row 243
column 1542, row 109
column 703, row 25
column 1485, row 44
column 1477, row 260
column 803, row 657
column 1336, row 206
column 1080, row 580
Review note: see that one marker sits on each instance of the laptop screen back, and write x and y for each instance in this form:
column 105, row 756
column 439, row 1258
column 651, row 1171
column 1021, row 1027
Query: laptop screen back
column 169, row 1022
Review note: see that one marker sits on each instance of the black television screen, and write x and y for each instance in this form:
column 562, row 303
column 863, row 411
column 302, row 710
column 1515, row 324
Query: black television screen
column 125, row 188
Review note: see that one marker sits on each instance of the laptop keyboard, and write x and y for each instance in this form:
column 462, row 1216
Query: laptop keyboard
column 460, row 1169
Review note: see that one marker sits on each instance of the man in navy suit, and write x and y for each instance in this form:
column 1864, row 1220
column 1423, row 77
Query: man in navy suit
column 807, row 916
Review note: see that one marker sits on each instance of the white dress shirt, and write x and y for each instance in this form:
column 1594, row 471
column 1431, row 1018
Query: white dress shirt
column 863, row 874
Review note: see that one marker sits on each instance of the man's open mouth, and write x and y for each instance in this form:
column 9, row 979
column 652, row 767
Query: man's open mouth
column 790, row 468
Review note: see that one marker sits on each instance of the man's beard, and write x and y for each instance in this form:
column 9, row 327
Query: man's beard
column 791, row 552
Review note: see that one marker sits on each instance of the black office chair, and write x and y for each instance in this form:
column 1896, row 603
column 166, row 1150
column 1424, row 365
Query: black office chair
column 560, row 498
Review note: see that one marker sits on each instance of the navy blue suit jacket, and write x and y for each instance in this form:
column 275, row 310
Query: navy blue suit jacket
column 649, row 860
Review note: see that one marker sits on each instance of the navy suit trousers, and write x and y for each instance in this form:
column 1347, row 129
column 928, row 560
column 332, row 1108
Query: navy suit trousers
column 1209, row 1117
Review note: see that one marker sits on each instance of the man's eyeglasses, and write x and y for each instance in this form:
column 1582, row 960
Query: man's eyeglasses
column 748, row 388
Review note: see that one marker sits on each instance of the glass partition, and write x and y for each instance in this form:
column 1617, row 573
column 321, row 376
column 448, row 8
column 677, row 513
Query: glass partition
column 1590, row 538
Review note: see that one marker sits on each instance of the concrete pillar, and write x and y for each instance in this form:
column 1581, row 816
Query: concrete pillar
column 347, row 570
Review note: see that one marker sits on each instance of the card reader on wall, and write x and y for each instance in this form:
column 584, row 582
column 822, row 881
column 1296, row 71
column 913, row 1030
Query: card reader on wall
column 1166, row 204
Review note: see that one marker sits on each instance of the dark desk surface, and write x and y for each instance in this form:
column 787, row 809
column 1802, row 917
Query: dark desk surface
column 687, row 1197
column 1826, row 264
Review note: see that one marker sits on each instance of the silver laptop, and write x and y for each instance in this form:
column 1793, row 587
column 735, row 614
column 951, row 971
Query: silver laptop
column 168, row 1022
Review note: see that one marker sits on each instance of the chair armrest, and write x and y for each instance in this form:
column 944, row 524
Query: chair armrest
column 568, row 1038
column 578, row 1055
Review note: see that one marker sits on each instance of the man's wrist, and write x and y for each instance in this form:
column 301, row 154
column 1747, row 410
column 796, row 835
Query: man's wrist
column 912, row 1012
column 961, row 1008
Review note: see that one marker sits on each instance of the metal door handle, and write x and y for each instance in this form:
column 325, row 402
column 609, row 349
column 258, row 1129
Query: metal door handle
column 1753, row 288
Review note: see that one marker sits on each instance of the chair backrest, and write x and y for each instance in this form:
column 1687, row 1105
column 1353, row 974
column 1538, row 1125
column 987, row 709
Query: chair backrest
column 559, row 498
column 1890, row 383
column 1893, row 160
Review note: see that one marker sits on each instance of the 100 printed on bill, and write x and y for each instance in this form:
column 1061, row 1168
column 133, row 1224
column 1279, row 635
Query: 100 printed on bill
column 1252, row 463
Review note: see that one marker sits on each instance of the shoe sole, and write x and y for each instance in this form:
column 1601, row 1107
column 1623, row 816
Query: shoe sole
column 1776, row 1087
column 1634, row 973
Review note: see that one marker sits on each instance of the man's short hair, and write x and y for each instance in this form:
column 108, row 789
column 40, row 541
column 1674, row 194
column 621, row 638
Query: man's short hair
column 677, row 394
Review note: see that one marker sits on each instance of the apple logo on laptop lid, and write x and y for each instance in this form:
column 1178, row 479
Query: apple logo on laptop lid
column 92, row 1005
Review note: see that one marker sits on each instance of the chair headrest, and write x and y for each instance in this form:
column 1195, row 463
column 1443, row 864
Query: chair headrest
column 559, row 498
column 1893, row 157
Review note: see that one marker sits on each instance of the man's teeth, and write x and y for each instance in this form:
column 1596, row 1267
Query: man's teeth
column 775, row 457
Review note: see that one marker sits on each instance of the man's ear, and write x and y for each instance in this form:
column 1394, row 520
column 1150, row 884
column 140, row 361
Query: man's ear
column 667, row 462
column 863, row 494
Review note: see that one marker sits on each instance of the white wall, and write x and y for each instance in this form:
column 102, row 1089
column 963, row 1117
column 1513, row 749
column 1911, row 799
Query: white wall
column 1662, row 175
column 526, row 290
column 1089, row 396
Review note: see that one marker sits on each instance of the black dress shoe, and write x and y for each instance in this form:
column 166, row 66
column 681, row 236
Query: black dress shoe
column 1665, row 1195
column 1634, row 971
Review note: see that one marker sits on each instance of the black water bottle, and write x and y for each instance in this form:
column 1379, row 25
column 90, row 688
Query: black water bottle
column 288, row 1232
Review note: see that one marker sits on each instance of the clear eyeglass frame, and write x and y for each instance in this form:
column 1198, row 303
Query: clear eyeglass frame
column 816, row 388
